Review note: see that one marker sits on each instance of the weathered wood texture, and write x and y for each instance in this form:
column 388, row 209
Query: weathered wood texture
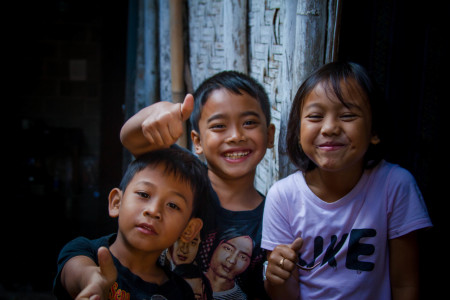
column 165, row 83
column 217, row 37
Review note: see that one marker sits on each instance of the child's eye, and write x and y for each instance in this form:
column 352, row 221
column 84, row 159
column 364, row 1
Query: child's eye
column 143, row 194
column 173, row 206
column 217, row 126
column 250, row 123
column 314, row 117
column 349, row 117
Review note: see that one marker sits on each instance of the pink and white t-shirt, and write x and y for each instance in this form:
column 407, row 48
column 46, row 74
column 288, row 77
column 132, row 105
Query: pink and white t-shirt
column 348, row 238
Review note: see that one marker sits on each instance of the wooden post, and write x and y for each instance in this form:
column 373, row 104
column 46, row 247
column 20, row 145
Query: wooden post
column 310, row 45
column 177, row 57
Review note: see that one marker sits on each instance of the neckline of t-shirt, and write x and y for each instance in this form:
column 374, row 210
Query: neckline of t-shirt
column 338, row 203
column 256, row 212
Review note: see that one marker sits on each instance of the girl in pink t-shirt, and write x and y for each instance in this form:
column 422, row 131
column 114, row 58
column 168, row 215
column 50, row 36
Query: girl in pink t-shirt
column 343, row 226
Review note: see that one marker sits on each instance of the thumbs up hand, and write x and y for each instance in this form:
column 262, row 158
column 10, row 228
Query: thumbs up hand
column 164, row 124
column 100, row 282
column 282, row 261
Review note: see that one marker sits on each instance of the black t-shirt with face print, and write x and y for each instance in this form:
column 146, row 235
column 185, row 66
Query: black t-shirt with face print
column 127, row 285
column 231, row 246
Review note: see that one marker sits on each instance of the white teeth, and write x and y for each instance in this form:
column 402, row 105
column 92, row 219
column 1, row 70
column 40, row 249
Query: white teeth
column 236, row 155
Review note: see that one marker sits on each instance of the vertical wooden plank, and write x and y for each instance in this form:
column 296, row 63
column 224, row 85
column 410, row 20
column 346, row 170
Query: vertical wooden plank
column 165, row 80
column 147, row 78
column 333, row 30
column 177, row 49
column 177, row 57
column 289, row 84
column 235, row 35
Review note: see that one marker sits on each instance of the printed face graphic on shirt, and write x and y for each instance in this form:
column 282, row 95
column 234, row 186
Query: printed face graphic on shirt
column 184, row 253
column 231, row 257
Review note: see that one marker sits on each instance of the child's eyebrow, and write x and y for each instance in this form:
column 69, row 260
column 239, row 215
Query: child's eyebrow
column 250, row 113
column 215, row 117
column 242, row 114
column 311, row 106
column 352, row 105
column 346, row 104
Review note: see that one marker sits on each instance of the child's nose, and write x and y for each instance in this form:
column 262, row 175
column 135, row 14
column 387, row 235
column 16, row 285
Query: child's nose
column 153, row 209
column 236, row 135
column 330, row 126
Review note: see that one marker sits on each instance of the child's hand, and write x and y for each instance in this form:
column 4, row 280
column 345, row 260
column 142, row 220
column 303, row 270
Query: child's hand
column 100, row 282
column 164, row 123
column 282, row 262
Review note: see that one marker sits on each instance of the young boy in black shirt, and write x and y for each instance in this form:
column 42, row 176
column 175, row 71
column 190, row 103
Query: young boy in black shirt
column 157, row 202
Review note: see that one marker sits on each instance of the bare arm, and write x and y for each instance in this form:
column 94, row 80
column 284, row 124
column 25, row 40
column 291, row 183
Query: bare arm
column 282, row 273
column 156, row 126
column 404, row 270
column 83, row 279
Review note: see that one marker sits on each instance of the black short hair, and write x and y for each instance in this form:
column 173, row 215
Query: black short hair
column 234, row 82
column 180, row 163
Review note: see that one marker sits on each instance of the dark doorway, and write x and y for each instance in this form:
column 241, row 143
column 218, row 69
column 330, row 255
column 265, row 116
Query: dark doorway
column 64, row 100
column 402, row 44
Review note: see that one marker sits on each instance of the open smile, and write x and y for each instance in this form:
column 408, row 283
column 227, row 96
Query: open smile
column 237, row 155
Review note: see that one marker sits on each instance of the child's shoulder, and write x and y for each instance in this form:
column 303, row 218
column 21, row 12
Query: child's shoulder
column 295, row 178
column 84, row 246
column 392, row 172
column 82, row 241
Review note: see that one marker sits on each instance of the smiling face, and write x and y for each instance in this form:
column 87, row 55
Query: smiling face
column 233, row 134
column 153, row 211
column 333, row 135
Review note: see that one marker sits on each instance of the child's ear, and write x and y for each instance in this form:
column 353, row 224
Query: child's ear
column 375, row 139
column 115, row 198
column 195, row 136
column 270, row 136
column 192, row 230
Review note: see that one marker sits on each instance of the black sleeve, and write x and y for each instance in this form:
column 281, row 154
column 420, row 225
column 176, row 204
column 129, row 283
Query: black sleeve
column 76, row 247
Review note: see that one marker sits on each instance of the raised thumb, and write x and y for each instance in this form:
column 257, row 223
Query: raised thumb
column 296, row 244
column 106, row 263
column 187, row 107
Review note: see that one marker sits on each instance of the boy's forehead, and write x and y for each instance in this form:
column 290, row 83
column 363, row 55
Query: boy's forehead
column 157, row 174
column 223, row 100
column 228, row 94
